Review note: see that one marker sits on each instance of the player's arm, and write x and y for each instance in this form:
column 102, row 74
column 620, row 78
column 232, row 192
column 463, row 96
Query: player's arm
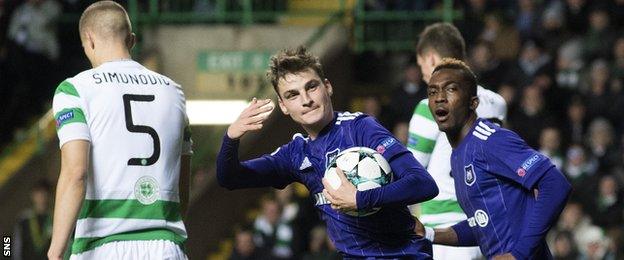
column 269, row 170
column 70, row 192
column 408, row 174
column 423, row 133
column 459, row 234
column 516, row 161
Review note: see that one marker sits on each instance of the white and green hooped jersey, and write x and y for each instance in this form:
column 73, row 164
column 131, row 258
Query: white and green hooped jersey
column 136, row 123
column 432, row 149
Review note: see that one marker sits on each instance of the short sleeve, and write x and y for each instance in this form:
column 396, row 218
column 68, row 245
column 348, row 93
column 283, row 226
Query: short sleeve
column 423, row 133
column 509, row 156
column 69, row 114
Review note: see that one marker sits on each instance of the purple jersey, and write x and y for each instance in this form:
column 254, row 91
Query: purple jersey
column 387, row 233
column 495, row 173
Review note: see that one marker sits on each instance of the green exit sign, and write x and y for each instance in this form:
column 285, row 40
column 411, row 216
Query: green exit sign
column 233, row 61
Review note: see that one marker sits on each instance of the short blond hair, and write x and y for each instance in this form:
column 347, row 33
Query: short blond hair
column 107, row 19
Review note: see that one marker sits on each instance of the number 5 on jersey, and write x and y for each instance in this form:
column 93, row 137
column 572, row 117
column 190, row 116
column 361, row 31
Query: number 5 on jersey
column 141, row 129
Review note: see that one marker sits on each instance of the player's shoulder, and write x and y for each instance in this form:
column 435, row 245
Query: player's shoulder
column 347, row 118
column 72, row 86
column 492, row 134
column 491, row 104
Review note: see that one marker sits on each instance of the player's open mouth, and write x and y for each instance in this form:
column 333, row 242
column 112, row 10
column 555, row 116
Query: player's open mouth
column 441, row 114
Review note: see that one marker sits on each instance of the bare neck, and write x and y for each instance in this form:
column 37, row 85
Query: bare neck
column 456, row 136
column 110, row 52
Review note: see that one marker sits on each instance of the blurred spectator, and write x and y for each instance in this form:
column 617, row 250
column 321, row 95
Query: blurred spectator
column 372, row 106
column 599, row 38
column 594, row 245
column 569, row 65
column 487, row 66
column 272, row 236
column 574, row 220
column 244, row 247
column 299, row 215
column 321, row 248
column 617, row 66
column 474, row 14
column 505, row 38
column 552, row 29
column 550, row 145
column 405, row 97
column 528, row 18
column 602, row 144
column 199, row 183
column 531, row 61
column 530, row 117
column 32, row 52
column 576, row 13
column 597, row 90
column 576, row 123
column 608, row 207
column 580, row 168
column 34, row 229
column 564, row 247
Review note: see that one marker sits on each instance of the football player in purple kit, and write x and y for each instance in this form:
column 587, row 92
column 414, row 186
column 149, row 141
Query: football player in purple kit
column 305, row 95
column 511, row 193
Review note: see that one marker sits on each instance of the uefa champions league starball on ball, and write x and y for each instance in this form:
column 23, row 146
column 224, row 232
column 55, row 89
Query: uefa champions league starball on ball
column 364, row 167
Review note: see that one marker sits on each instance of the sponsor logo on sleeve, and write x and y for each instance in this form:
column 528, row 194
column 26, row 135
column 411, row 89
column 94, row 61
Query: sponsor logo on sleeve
column 385, row 144
column 62, row 118
column 527, row 164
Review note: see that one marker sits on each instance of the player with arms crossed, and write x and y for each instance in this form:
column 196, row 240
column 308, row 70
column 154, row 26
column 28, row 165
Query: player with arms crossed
column 305, row 95
column 431, row 147
column 495, row 175
column 125, row 151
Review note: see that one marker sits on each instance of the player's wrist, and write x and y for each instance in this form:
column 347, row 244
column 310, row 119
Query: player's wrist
column 429, row 233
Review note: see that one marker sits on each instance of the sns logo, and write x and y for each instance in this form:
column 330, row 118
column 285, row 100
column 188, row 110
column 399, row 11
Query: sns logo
column 469, row 177
column 480, row 218
column 6, row 246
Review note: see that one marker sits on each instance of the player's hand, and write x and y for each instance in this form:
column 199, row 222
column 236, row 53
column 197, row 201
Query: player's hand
column 251, row 118
column 344, row 198
column 419, row 228
column 507, row 256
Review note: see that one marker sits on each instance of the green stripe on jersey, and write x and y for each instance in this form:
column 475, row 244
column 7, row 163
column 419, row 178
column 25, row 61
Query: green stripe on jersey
column 133, row 209
column 439, row 206
column 83, row 244
column 67, row 88
column 423, row 110
column 420, row 143
column 68, row 116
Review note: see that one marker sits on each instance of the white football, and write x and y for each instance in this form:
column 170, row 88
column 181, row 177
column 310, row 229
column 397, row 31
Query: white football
column 364, row 167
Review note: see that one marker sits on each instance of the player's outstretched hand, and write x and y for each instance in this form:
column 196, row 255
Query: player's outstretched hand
column 507, row 256
column 251, row 119
column 344, row 198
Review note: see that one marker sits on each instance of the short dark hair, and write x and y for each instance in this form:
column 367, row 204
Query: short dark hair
column 466, row 72
column 443, row 38
column 291, row 61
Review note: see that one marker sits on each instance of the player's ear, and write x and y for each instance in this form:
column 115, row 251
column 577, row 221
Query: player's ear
column 329, row 87
column 281, row 105
column 474, row 103
column 130, row 41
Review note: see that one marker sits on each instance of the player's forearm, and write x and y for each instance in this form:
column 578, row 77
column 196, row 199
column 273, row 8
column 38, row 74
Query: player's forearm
column 232, row 174
column 412, row 185
column 69, row 197
column 553, row 192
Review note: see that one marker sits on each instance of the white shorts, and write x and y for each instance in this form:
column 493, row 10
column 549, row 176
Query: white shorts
column 455, row 253
column 149, row 249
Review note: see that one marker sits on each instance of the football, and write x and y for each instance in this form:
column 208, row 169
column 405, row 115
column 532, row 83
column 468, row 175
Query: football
column 364, row 167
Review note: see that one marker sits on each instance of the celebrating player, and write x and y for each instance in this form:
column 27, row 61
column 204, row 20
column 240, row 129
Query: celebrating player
column 305, row 95
column 495, row 175
column 431, row 147
column 125, row 151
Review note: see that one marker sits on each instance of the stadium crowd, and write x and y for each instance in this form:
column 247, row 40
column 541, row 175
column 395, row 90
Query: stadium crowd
column 559, row 64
